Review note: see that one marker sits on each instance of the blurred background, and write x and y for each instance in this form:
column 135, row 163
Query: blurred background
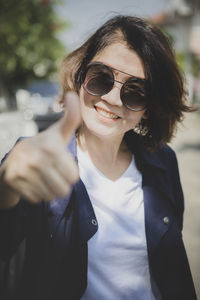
column 36, row 35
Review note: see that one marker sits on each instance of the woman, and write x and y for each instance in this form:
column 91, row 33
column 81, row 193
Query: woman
column 113, row 229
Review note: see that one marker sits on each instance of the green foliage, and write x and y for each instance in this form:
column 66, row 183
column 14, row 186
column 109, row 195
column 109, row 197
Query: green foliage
column 195, row 65
column 180, row 58
column 29, row 48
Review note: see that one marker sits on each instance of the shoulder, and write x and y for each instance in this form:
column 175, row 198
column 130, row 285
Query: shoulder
column 163, row 158
column 167, row 157
column 167, row 154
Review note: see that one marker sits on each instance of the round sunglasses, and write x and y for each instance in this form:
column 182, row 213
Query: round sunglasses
column 99, row 80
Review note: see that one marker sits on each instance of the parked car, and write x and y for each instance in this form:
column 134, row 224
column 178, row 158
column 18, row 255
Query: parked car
column 40, row 103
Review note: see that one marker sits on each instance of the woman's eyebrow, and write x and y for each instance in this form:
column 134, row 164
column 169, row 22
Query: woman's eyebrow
column 116, row 71
column 122, row 72
column 130, row 75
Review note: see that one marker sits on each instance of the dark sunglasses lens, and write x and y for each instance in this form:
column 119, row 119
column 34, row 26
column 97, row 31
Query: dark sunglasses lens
column 133, row 95
column 98, row 80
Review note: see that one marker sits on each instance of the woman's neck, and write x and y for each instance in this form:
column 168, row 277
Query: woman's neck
column 101, row 149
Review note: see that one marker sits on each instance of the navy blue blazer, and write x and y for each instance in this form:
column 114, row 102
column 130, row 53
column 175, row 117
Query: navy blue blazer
column 55, row 265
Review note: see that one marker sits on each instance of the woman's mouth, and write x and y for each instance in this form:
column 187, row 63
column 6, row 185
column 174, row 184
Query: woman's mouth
column 106, row 114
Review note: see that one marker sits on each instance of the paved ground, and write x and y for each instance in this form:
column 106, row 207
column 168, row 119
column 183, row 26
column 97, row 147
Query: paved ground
column 187, row 146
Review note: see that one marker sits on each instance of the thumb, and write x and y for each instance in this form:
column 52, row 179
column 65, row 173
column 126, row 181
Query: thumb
column 72, row 117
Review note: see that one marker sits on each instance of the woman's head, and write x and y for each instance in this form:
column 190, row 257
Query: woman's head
column 109, row 80
column 164, row 84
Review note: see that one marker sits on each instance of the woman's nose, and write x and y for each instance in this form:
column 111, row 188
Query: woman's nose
column 113, row 97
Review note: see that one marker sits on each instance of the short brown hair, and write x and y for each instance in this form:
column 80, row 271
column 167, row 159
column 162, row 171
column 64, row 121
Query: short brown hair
column 166, row 92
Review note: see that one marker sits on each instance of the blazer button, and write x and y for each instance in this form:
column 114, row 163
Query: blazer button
column 94, row 222
column 166, row 220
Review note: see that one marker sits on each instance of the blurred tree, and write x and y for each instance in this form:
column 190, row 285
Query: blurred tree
column 29, row 48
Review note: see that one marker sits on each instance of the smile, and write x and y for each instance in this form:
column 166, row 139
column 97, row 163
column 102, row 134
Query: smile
column 105, row 113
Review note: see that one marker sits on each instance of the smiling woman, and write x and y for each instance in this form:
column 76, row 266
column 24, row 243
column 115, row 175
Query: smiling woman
column 106, row 115
column 154, row 61
column 108, row 210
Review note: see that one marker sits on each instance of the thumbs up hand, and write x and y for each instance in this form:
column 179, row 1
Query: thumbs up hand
column 40, row 168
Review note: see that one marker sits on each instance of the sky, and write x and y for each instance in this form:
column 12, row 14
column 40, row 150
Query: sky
column 85, row 16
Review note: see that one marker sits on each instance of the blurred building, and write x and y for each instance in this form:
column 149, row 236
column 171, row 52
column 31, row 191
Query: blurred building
column 181, row 20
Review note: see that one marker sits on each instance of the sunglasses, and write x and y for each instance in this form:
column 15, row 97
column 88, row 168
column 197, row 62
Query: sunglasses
column 99, row 80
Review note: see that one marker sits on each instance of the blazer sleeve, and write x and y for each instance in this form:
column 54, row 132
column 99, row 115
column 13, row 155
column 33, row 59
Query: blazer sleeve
column 13, row 227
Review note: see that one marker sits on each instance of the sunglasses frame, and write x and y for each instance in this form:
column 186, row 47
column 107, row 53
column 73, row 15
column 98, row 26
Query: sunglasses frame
column 110, row 69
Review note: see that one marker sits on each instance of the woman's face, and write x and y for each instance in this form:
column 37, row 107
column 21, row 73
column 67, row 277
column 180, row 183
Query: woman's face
column 106, row 116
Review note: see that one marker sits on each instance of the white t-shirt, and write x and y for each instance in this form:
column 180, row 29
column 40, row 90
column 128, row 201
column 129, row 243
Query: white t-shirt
column 118, row 267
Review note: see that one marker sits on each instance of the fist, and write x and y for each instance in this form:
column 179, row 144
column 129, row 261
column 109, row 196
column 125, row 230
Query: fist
column 41, row 168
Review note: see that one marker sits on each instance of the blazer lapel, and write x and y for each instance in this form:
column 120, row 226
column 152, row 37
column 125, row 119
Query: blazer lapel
column 158, row 199
column 155, row 212
column 86, row 217
column 57, row 207
column 84, row 210
column 55, row 212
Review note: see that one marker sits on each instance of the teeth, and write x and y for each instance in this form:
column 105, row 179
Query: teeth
column 106, row 114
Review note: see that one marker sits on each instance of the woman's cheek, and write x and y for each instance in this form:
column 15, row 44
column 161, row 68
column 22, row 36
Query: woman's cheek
column 133, row 118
